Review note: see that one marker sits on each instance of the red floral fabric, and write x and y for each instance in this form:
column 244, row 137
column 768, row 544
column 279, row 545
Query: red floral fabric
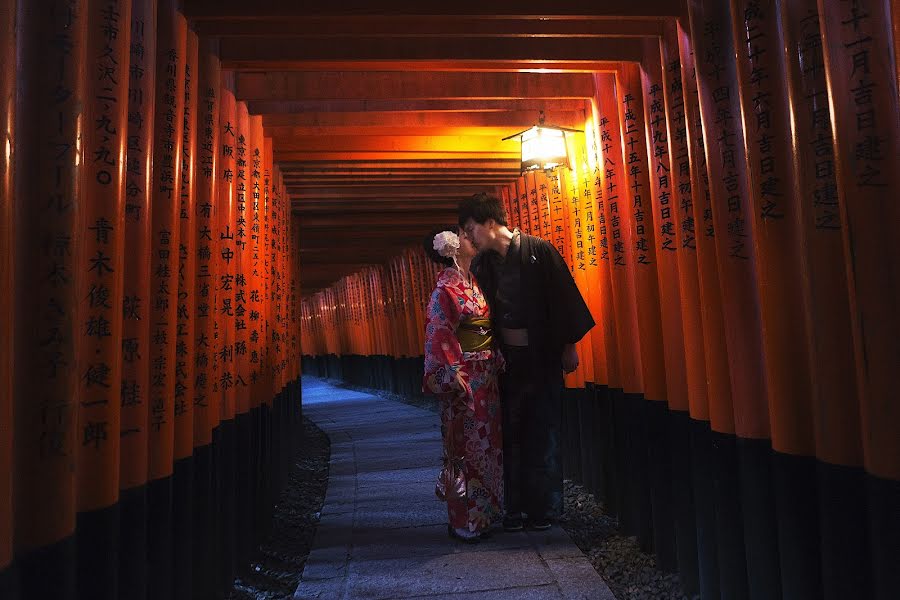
column 466, row 386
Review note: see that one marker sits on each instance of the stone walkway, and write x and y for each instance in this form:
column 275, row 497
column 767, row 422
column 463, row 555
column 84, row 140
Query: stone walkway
column 383, row 534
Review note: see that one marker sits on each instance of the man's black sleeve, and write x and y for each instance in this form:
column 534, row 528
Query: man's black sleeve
column 571, row 314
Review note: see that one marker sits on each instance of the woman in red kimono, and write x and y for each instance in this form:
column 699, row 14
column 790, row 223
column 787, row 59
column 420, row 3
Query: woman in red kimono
column 461, row 368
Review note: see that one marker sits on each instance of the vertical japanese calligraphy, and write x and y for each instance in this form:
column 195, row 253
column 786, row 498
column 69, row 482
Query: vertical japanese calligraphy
column 187, row 260
column 48, row 165
column 206, row 404
column 166, row 182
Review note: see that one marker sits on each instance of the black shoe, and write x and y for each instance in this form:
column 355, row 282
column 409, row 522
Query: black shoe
column 512, row 524
column 539, row 524
column 468, row 540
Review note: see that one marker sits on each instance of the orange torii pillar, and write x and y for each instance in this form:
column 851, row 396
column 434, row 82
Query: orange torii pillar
column 634, row 495
column 732, row 215
column 224, row 244
column 840, row 478
column 259, row 237
column 205, row 402
column 241, row 359
column 863, row 92
column 7, row 118
column 253, row 303
column 777, row 227
column 688, row 399
column 644, row 265
column 660, row 174
column 51, row 40
column 609, row 483
column 183, row 477
column 135, row 379
column 718, row 518
column 166, row 204
column 99, row 283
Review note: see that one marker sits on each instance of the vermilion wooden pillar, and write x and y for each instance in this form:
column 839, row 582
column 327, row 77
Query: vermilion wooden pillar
column 644, row 263
column 205, row 401
column 252, row 317
column 183, row 492
column 781, row 272
column 862, row 85
column 8, row 138
column 166, row 204
column 135, row 382
column 675, row 455
column 48, row 165
column 241, row 360
column 100, row 286
column 835, row 400
column 634, row 498
column 224, row 244
column 732, row 215
column 606, row 326
column 688, row 400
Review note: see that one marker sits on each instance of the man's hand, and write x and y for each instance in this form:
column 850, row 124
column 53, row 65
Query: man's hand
column 569, row 358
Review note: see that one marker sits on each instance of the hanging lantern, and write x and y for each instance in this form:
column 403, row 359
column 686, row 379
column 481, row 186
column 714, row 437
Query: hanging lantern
column 543, row 146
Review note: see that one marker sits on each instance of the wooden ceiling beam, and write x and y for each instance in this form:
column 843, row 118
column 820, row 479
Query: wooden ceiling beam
column 368, row 85
column 401, row 121
column 443, row 26
column 396, row 191
column 388, row 143
column 292, row 156
column 548, row 105
column 450, row 66
column 235, row 53
column 448, row 164
column 230, row 9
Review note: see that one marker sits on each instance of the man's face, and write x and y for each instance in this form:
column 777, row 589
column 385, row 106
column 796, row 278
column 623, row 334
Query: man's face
column 480, row 234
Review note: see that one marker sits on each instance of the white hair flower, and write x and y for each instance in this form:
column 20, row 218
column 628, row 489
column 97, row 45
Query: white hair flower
column 446, row 243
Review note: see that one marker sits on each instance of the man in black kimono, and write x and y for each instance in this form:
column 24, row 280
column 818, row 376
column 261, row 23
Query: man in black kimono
column 539, row 315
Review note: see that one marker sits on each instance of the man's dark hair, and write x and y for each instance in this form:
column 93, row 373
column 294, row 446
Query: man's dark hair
column 481, row 207
column 428, row 244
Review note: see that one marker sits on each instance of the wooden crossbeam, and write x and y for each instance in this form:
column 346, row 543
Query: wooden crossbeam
column 235, row 53
column 367, row 85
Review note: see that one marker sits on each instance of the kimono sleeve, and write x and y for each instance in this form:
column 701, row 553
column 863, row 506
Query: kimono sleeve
column 443, row 355
column 572, row 313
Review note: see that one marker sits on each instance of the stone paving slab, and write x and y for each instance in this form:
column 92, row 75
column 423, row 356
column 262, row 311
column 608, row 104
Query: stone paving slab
column 383, row 534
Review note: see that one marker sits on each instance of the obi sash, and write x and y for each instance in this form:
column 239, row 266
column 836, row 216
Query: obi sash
column 474, row 334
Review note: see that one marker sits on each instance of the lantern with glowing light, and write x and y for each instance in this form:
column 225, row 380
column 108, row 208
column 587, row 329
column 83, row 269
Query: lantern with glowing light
column 543, row 146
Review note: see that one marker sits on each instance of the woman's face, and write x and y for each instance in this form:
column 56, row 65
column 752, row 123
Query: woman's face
column 466, row 249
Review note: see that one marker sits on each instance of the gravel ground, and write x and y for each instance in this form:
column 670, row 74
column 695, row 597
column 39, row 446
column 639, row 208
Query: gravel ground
column 276, row 567
column 630, row 573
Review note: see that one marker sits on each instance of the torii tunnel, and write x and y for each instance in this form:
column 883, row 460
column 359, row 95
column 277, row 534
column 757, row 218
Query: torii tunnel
column 203, row 199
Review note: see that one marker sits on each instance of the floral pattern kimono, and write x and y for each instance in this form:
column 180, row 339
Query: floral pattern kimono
column 466, row 386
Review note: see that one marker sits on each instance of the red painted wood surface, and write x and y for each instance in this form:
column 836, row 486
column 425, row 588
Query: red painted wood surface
column 617, row 212
column 224, row 243
column 49, row 125
column 207, row 177
column 185, row 338
column 239, row 284
column 862, row 86
column 99, row 278
column 826, row 303
column 732, row 214
column 664, row 188
column 718, row 377
column 135, row 386
column 8, row 138
column 166, row 203
column 642, row 253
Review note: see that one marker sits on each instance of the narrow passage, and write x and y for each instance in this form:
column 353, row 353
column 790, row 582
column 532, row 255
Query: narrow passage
column 383, row 533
